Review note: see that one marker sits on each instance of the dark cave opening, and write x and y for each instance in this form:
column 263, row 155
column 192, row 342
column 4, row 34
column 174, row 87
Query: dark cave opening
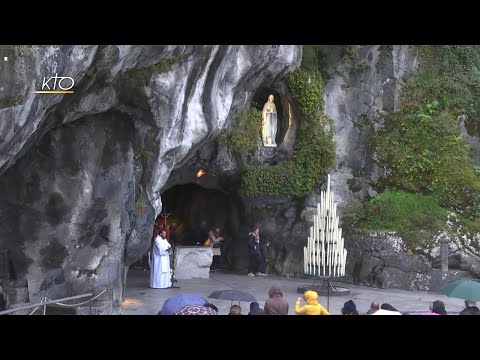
column 189, row 205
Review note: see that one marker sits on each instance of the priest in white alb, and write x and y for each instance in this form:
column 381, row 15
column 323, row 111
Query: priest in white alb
column 160, row 277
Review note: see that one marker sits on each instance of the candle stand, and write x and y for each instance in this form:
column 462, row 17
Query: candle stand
column 325, row 255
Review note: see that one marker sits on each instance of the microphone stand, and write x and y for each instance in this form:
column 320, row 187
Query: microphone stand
column 172, row 270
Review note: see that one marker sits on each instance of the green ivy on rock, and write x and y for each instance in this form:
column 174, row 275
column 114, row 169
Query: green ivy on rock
column 411, row 215
column 425, row 153
column 421, row 145
column 245, row 134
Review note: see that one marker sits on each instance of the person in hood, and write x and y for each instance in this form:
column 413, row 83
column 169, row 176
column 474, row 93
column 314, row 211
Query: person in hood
column 312, row 307
column 438, row 307
column 276, row 304
column 255, row 309
column 349, row 308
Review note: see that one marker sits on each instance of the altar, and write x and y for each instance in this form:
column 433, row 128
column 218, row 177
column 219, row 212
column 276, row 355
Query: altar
column 192, row 262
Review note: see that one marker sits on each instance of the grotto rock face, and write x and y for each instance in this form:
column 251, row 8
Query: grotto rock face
column 382, row 260
column 81, row 173
column 69, row 206
column 356, row 96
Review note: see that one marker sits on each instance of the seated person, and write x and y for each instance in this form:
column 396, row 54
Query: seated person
column 276, row 304
column 374, row 307
column 387, row 309
column 312, row 307
column 349, row 308
column 470, row 308
column 438, row 307
column 255, row 309
column 235, row 310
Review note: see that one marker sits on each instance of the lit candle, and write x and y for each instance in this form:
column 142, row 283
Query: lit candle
column 312, row 264
column 319, row 211
column 328, row 183
column 339, row 250
column 328, row 258
column 309, row 255
column 341, row 264
column 329, row 241
column 335, row 260
column 306, row 256
column 304, row 259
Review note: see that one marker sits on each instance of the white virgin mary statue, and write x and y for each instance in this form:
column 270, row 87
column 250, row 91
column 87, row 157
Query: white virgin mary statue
column 269, row 126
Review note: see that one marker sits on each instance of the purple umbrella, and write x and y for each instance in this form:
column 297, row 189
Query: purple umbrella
column 178, row 302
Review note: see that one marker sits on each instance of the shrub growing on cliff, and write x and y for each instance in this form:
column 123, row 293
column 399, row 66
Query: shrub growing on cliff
column 449, row 74
column 425, row 153
column 410, row 215
column 306, row 88
column 421, row 147
column 245, row 133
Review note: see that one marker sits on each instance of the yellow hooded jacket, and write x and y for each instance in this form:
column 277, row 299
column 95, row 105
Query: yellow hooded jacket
column 312, row 307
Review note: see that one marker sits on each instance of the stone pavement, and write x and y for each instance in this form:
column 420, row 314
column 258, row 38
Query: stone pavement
column 141, row 300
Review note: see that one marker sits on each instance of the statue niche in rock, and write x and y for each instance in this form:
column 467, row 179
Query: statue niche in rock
column 269, row 125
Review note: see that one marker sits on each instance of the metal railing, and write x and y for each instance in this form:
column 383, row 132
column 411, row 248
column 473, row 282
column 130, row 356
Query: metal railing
column 46, row 301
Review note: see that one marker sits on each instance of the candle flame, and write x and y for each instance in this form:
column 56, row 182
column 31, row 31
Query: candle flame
column 201, row 172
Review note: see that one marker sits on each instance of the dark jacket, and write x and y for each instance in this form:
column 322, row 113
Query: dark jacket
column 253, row 246
column 471, row 310
column 265, row 252
column 255, row 309
column 200, row 235
column 276, row 304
